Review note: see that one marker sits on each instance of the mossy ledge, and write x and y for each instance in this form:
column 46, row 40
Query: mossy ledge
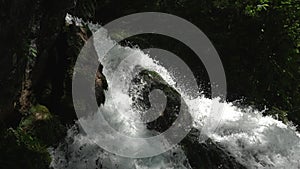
column 27, row 143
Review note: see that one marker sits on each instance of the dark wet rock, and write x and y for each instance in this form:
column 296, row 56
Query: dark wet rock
column 207, row 154
column 15, row 29
column 100, row 86
column 38, row 55
column 53, row 72
column 38, row 51
column 54, row 88
column 200, row 155
column 142, row 85
column 27, row 28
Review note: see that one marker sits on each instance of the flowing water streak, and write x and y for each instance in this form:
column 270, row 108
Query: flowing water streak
column 254, row 140
column 80, row 150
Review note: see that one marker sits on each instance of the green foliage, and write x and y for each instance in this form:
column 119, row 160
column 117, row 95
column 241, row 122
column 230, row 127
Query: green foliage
column 20, row 150
column 32, row 51
column 26, row 146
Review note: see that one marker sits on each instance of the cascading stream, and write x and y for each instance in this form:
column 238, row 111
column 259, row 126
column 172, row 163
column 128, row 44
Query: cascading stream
column 253, row 140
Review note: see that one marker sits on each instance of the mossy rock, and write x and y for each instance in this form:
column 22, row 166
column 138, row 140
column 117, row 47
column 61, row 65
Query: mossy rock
column 42, row 125
column 200, row 155
column 278, row 114
column 207, row 154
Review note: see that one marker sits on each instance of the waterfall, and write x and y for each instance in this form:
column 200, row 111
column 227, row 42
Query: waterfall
column 254, row 140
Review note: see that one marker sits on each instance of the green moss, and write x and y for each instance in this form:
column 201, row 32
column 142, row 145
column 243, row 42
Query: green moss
column 42, row 125
column 37, row 113
column 152, row 76
column 20, row 150
column 278, row 114
column 26, row 146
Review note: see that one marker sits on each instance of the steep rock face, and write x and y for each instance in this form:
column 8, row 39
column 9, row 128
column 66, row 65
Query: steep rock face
column 37, row 55
column 38, row 51
column 43, row 125
column 15, row 28
column 54, row 88
column 208, row 154
column 52, row 75
column 27, row 28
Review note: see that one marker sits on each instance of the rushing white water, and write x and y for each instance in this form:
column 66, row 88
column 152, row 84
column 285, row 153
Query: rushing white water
column 252, row 139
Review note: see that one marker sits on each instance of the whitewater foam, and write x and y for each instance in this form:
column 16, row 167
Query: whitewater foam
column 254, row 140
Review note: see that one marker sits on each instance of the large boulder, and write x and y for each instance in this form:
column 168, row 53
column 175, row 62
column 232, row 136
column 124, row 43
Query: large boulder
column 142, row 86
column 207, row 154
